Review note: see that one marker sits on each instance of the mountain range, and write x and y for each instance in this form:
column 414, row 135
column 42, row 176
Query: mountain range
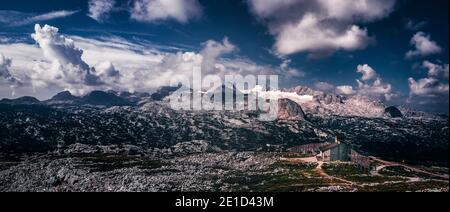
column 147, row 121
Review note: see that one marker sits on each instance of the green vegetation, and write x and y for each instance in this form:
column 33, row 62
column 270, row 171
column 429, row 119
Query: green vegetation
column 353, row 173
column 404, row 172
column 283, row 182
column 406, row 186
column 298, row 177
column 292, row 177
column 343, row 169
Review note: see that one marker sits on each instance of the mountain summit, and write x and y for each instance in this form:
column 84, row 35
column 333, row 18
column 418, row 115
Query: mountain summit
column 393, row 112
column 290, row 110
column 64, row 96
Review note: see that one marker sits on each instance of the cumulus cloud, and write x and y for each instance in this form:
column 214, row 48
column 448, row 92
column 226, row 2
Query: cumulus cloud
column 212, row 50
column 367, row 72
column 423, row 45
column 108, row 73
column 319, row 25
column 371, row 85
column 99, row 9
column 212, row 60
column 378, row 89
column 47, row 77
column 57, row 47
column 435, row 85
column 80, row 64
column 436, row 70
column 368, row 85
column 68, row 68
column 427, row 87
column 14, row 18
column 307, row 35
column 345, row 90
column 160, row 10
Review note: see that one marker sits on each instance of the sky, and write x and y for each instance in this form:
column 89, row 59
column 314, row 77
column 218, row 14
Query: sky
column 395, row 51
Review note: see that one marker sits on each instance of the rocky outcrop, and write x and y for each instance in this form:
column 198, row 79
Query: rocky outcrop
column 119, row 173
column 393, row 112
column 290, row 110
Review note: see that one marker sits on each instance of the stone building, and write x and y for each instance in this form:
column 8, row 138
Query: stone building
column 335, row 152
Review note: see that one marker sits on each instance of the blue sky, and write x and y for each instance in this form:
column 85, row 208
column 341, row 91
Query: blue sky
column 266, row 36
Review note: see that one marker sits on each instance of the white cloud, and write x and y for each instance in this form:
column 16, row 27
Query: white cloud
column 62, row 62
column 57, row 47
column 160, row 10
column 212, row 50
column 124, row 55
column 436, row 70
column 307, row 35
column 367, row 72
column 138, row 68
column 435, row 85
column 319, row 25
column 14, row 18
column 68, row 68
column 107, row 72
column 427, row 87
column 424, row 46
column 345, row 90
column 132, row 70
column 119, row 66
column 48, row 77
column 99, row 9
column 378, row 89
column 24, row 55
column 369, row 85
